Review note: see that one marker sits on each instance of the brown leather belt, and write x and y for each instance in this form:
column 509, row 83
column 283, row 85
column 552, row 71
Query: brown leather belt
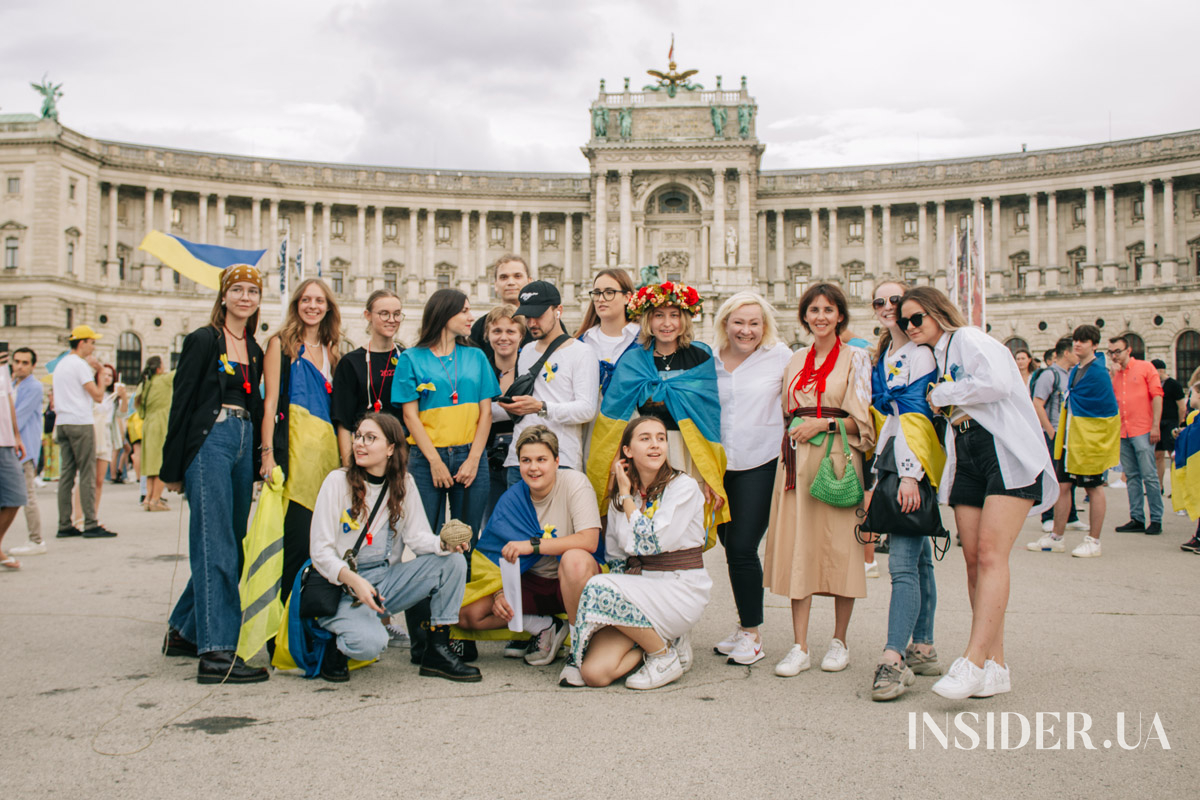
column 826, row 411
column 691, row 558
column 788, row 453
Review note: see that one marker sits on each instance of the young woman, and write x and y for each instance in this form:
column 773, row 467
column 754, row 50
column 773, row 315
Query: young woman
column 998, row 471
column 750, row 364
column 671, row 377
column 811, row 547
column 906, row 444
column 297, row 429
column 104, row 415
column 606, row 325
column 362, row 382
column 504, row 332
column 210, row 454
column 1025, row 366
column 657, row 588
column 383, row 584
column 154, row 406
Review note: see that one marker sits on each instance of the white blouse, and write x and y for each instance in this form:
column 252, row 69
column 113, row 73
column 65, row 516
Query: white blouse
column 752, row 406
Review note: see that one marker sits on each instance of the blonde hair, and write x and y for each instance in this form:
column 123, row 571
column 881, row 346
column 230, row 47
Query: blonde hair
column 936, row 304
column 329, row 329
column 503, row 311
column 770, row 330
column 885, row 336
column 538, row 434
column 687, row 328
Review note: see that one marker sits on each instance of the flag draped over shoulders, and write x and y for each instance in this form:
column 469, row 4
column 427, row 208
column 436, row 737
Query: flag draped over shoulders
column 312, row 442
column 916, row 417
column 1185, row 471
column 1090, row 430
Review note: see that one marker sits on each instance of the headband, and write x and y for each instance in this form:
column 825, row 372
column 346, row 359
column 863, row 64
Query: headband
column 240, row 273
column 665, row 294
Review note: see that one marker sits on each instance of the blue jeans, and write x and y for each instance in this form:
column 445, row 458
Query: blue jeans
column 497, row 485
column 914, row 592
column 467, row 503
column 1137, row 460
column 219, row 483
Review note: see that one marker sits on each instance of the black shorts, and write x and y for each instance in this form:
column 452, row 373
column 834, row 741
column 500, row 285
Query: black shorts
column 1082, row 481
column 1166, row 438
column 977, row 471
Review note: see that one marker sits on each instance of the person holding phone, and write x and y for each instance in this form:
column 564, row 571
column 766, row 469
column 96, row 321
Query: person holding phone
column 505, row 331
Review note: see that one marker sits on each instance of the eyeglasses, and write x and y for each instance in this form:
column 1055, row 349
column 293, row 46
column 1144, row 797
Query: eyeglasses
column 1115, row 352
column 604, row 294
column 388, row 316
column 366, row 438
column 916, row 320
column 878, row 302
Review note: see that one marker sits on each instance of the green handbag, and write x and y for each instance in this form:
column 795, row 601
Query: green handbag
column 843, row 492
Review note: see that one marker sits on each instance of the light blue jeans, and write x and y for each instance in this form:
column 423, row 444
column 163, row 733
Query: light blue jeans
column 914, row 592
column 1141, row 477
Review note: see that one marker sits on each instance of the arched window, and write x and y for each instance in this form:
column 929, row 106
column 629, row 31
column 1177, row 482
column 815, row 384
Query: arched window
column 129, row 357
column 1015, row 344
column 1187, row 355
column 1137, row 345
column 673, row 203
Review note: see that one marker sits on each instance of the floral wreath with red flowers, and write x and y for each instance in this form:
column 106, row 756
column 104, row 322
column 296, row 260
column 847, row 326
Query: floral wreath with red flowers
column 667, row 293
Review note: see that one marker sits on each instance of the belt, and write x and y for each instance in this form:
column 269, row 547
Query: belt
column 788, row 453
column 966, row 425
column 823, row 411
column 227, row 412
column 691, row 558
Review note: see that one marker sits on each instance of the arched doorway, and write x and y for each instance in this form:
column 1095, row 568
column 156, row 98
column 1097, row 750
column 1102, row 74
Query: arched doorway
column 672, row 230
column 1187, row 355
column 129, row 357
column 1137, row 345
column 1017, row 344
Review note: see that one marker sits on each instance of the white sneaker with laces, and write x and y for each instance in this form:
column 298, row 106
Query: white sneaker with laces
column 749, row 650
column 1047, row 526
column 726, row 645
column 656, row 670
column 963, row 680
column 837, row 657
column 397, row 636
column 548, row 642
column 996, row 680
column 570, row 675
column 1047, row 544
column 683, row 649
column 1079, row 525
column 873, row 569
column 29, row 549
column 1090, row 548
column 795, row 662
column 1117, row 484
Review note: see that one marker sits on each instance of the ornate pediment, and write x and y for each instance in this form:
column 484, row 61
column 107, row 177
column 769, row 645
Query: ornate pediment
column 73, row 232
column 12, row 226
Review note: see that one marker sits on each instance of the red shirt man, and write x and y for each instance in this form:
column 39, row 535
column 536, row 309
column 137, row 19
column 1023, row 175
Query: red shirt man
column 1139, row 392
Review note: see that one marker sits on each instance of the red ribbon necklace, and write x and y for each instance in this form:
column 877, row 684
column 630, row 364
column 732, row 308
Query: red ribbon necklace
column 376, row 404
column 811, row 376
column 243, row 368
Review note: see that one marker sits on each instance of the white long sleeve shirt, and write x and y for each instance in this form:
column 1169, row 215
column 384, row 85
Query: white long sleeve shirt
column 752, row 406
column 569, row 385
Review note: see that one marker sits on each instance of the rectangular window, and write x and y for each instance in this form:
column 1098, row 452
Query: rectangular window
column 176, row 216
column 390, row 230
column 1022, row 220
column 498, row 232
column 800, row 232
column 1139, row 209
column 335, row 278
column 70, row 318
column 337, row 227
column 70, row 258
column 443, row 281
column 389, row 281
column 230, row 220
column 121, row 267
column 1079, row 213
column 11, row 252
column 10, row 316
column 14, row 185
column 443, row 233
column 962, row 221
column 856, row 279
column 910, row 227
column 855, row 230
column 285, row 225
column 71, row 190
column 549, row 235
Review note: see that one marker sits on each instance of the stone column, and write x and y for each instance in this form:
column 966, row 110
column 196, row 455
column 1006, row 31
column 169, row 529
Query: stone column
column 1168, row 248
column 1151, row 255
column 464, row 252
column 479, row 274
column 149, row 273
column 255, row 223
column 639, row 237
column 997, row 260
column 202, row 219
column 308, row 264
column 114, row 275
column 889, row 263
column 1109, row 269
column 323, row 251
column 922, row 239
column 717, row 235
column 780, row 245
column 1035, row 257
column 869, row 241
column 412, row 266
column 701, row 271
column 814, row 242
column 1091, row 266
column 601, row 221
column 743, row 258
column 1052, row 265
column 360, row 268
column 427, row 265
column 168, row 197
column 626, row 212
column 939, row 238
column 761, row 257
column 570, row 279
column 220, row 219
column 535, row 246
column 375, row 273
column 585, row 274
column 273, row 243
column 835, row 266
column 517, row 235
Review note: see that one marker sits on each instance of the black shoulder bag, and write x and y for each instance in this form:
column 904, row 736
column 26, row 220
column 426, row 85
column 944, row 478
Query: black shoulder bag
column 522, row 385
column 884, row 514
column 319, row 597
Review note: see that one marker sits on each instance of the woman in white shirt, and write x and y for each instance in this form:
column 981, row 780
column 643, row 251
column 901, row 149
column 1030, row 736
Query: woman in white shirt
column 380, row 582
column 750, row 365
column 998, row 471
column 605, row 326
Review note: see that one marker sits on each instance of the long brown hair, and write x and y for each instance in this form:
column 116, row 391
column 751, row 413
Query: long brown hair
column 590, row 318
column 217, row 317
column 937, row 305
column 330, row 330
column 885, row 336
column 393, row 475
column 441, row 306
column 666, row 473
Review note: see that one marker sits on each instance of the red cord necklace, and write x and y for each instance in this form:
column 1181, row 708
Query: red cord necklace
column 811, row 376
column 242, row 367
column 376, row 404
column 453, row 384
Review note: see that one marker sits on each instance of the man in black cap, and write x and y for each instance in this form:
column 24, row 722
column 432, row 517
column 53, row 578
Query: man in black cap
column 566, row 389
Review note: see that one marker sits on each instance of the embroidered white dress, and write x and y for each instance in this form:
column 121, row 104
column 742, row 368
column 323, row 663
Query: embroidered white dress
column 669, row 602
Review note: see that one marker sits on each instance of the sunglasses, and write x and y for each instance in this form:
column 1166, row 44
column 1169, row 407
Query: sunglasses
column 916, row 320
column 879, row 302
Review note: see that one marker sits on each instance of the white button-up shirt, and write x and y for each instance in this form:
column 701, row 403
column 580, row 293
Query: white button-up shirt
column 752, row 406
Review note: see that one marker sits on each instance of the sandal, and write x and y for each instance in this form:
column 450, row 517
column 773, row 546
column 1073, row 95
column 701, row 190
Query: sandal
column 160, row 505
column 10, row 563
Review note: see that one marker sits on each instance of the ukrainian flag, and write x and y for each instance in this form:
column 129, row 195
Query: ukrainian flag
column 691, row 398
column 1185, row 471
column 916, row 417
column 312, row 442
column 1089, row 426
column 201, row 263
column 262, row 549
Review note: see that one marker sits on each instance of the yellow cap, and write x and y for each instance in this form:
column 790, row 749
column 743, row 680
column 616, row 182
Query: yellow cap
column 83, row 332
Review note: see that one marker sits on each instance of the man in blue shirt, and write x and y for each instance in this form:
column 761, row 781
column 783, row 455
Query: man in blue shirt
column 29, row 426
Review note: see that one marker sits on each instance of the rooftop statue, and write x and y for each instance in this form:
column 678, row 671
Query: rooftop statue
column 625, row 119
column 671, row 81
column 600, row 122
column 720, row 115
column 50, row 94
column 745, row 115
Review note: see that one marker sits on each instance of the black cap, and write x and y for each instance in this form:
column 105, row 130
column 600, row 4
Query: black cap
column 536, row 297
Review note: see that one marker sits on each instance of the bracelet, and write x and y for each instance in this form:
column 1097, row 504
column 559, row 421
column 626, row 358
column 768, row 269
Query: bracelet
column 622, row 498
column 266, row 449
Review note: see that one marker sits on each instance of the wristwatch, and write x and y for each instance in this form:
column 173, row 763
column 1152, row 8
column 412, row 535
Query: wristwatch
column 832, row 426
column 542, row 411
column 622, row 498
column 537, row 545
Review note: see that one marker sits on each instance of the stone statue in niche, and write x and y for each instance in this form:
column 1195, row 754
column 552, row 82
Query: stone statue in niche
column 745, row 117
column 720, row 115
column 600, row 122
column 731, row 245
column 614, row 247
column 625, row 120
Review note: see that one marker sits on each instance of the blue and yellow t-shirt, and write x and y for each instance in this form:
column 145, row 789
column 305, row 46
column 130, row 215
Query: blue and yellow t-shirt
column 447, row 391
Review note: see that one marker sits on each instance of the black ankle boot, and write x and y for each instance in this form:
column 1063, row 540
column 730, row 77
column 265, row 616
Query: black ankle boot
column 175, row 645
column 224, row 666
column 441, row 662
column 465, row 649
column 416, row 619
column 335, row 667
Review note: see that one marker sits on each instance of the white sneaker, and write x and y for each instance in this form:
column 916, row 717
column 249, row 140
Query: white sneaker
column 38, row 482
column 837, row 657
column 1047, row 526
column 873, row 569
column 656, row 671
column 683, row 648
column 1047, row 544
column 748, row 650
column 29, row 549
column 570, row 675
column 996, row 680
column 548, row 642
column 726, row 645
column 1090, row 548
column 1117, row 484
column 795, row 662
column 516, row 648
column 963, row 680
column 397, row 636
column 1079, row 525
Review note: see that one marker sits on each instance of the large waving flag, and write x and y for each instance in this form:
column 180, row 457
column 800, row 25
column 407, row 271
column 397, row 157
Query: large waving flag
column 916, row 417
column 1089, row 427
column 691, row 398
column 312, row 443
column 1185, row 470
column 262, row 610
column 201, row 263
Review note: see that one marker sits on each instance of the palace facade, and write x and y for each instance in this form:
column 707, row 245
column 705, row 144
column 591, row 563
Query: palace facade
column 1106, row 233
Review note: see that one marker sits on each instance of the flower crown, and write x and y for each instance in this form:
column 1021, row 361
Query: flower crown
column 667, row 293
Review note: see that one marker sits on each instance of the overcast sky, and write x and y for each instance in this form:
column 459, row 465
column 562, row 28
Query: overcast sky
column 506, row 86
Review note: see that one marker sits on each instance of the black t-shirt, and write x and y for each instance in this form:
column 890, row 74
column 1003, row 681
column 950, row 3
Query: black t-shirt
column 355, row 395
column 683, row 358
column 1172, row 394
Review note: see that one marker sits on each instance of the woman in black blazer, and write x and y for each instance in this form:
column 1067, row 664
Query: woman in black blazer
column 211, row 454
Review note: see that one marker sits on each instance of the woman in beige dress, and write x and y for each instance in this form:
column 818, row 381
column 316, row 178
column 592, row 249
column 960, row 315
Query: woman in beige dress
column 811, row 547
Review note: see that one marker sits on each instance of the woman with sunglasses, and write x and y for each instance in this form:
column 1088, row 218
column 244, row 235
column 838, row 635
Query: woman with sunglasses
column 811, row 546
column 997, row 473
column 605, row 324
column 905, row 444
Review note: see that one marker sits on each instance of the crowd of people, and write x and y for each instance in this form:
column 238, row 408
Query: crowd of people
column 505, row 479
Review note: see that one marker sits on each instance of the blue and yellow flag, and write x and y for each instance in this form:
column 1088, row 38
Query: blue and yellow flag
column 1089, row 426
column 201, row 263
column 1185, row 470
column 301, row 641
column 692, row 400
column 262, row 549
column 916, row 417
column 312, row 442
